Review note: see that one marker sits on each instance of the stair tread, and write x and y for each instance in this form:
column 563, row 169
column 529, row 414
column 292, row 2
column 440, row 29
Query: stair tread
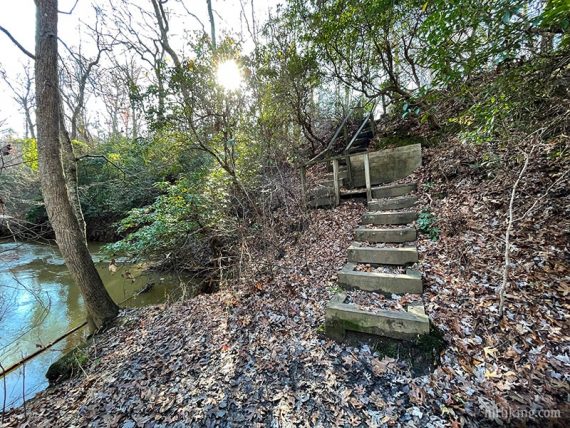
column 389, row 312
column 354, row 245
column 396, row 211
column 385, row 227
column 382, row 275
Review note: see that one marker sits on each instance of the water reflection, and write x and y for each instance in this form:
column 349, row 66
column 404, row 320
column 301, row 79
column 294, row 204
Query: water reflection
column 39, row 303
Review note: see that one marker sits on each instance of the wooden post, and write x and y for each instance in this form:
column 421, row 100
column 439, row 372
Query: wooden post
column 367, row 177
column 335, row 180
column 348, row 172
column 304, row 186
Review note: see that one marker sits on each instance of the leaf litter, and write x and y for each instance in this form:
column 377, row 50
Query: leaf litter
column 253, row 354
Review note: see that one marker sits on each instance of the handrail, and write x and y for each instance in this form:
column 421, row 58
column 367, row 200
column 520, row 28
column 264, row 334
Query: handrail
column 328, row 147
column 335, row 159
column 364, row 122
column 316, row 159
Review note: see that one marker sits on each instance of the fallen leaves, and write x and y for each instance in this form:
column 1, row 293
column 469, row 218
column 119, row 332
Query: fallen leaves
column 252, row 355
column 503, row 360
column 249, row 355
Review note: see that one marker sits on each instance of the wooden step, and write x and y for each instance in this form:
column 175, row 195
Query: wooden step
column 382, row 256
column 410, row 282
column 404, row 234
column 383, row 191
column 389, row 217
column 385, row 204
column 393, row 190
column 341, row 317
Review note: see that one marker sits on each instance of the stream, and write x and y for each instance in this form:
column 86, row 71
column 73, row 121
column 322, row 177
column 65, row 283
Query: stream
column 39, row 303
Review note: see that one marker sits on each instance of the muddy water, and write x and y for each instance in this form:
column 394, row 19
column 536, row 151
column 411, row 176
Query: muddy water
column 39, row 302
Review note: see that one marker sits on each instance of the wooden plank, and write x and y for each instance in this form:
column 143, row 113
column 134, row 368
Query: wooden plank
column 366, row 234
column 383, row 255
column 335, row 179
column 367, row 177
column 389, row 217
column 397, row 203
column 386, row 283
column 348, row 172
column 340, row 317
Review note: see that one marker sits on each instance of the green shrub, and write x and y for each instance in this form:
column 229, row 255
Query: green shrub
column 427, row 224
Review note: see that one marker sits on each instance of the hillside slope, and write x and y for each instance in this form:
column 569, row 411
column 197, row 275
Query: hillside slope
column 254, row 355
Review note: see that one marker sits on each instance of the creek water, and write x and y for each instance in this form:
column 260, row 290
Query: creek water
column 39, row 303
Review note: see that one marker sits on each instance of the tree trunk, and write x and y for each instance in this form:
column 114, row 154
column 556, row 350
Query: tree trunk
column 212, row 24
column 70, row 174
column 69, row 236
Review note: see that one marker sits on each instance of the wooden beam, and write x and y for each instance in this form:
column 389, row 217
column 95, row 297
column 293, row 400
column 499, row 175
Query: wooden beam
column 349, row 175
column 367, row 177
column 335, row 182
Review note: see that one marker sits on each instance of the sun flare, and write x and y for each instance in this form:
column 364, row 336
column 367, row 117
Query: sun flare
column 229, row 75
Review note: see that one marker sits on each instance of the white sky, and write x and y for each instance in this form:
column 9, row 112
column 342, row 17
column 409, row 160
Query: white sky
column 18, row 17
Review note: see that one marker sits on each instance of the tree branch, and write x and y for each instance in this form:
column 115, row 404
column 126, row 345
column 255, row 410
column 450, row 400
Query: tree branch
column 106, row 159
column 23, row 49
column 70, row 11
column 503, row 287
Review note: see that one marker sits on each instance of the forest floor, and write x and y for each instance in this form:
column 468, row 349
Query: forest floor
column 254, row 354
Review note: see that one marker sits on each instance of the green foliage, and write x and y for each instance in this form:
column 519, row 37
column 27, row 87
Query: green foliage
column 556, row 16
column 30, row 153
column 185, row 212
column 427, row 224
column 37, row 214
column 463, row 37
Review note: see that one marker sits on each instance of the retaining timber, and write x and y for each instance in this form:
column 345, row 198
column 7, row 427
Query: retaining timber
column 390, row 217
column 386, row 204
column 393, row 190
column 382, row 256
column 341, row 317
column 386, row 283
column 394, row 235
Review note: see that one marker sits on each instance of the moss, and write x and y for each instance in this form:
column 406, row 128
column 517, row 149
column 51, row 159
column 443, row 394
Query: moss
column 431, row 342
column 421, row 354
column 68, row 366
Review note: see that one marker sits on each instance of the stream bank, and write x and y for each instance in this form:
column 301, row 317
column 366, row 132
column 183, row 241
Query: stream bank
column 39, row 303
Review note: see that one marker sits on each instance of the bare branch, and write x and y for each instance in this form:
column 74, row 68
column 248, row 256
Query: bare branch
column 503, row 287
column 70, row 11
column 23, row 49
column 104, row 158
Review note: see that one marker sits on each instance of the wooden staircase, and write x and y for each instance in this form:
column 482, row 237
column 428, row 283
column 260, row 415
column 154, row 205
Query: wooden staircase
column 381, row 289
column 385, row 240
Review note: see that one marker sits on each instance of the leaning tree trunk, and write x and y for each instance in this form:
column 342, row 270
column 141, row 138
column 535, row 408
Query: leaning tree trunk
column 70, row 173
column 68, row 233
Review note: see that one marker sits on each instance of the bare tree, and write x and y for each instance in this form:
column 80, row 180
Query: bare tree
column 69, row 236
column 137, row 33
column 23, row 93
column 77, row 77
